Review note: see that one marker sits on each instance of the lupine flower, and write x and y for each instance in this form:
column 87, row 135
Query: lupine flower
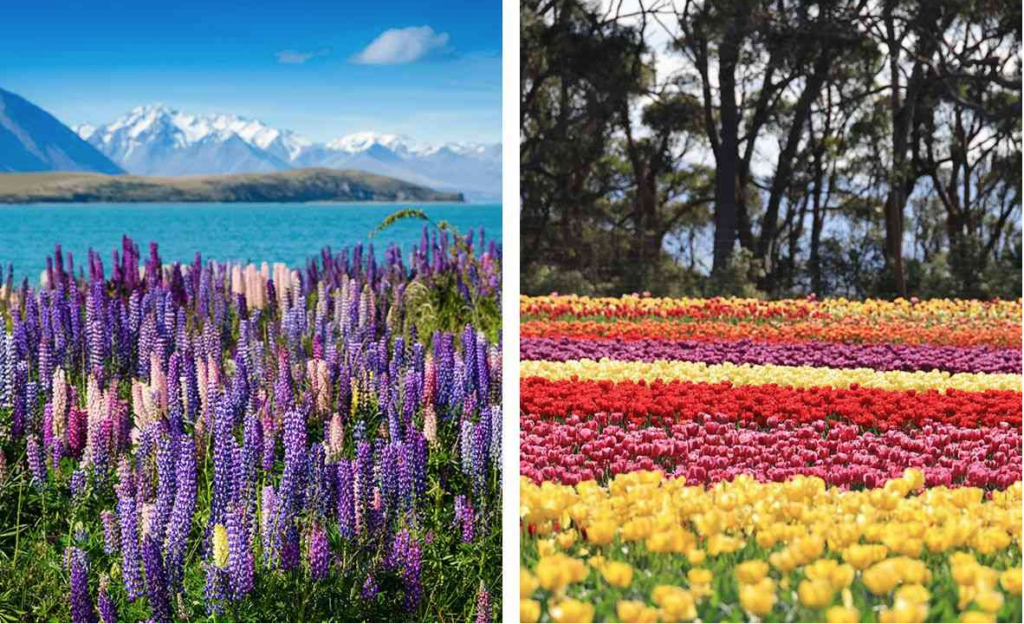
column 318, row 552
column 128, row 515
column 156, row 579
column 346, row 499
column 81, row 600
column 179, row 524
column 240, row 558
column 370, row 589
column 36, row 464
column 111, row 533
column 483, row 604
column 77, row 484
column 108, row 610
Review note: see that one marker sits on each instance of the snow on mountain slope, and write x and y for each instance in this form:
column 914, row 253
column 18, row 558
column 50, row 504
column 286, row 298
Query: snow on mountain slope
column 157, row 140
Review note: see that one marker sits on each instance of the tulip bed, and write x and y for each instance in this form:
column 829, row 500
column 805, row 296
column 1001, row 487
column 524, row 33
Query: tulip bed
column 224, row 442
column 798, row 460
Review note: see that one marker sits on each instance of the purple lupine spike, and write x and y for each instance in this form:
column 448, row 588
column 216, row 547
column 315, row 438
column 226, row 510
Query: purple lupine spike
column 319, row 497
column 370, row 589
column 81, row 600
column 363, row 486
column 36, row 464
column 218, row 588
column 345, row 499
column 406, row 492
column 483, row 604
column 406, row 557
column 180, row 523
column 483, row 380
column 292, row 486
column 167, row 453
column 318, row 552
column 269, row 534
column 108, row 610
column 223, row 457
column 240, row 558
column 269, row 441
column 111, row 534
column 128, row 514
column 175, row 410
column 77, row 484
column 156, row 580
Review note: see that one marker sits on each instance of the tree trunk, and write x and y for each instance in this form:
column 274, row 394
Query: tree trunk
column 726, row 209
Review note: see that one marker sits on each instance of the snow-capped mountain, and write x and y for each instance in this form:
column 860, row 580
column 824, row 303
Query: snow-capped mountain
column 156, row 140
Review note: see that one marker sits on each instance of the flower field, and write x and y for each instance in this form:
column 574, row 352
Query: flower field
column 226, row 442
column 797, row 460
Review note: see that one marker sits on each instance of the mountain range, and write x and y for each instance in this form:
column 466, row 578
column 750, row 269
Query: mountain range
column 157, row 140
column 33, row 140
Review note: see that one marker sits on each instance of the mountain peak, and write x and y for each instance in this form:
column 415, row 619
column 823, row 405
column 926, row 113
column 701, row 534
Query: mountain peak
column 156, row 139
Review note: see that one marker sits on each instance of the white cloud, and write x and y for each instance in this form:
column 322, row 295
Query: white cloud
column 401, row 45
column 296, row 57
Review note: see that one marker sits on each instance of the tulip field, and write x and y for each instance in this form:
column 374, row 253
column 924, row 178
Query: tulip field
column 226, row 442
column 796, row 460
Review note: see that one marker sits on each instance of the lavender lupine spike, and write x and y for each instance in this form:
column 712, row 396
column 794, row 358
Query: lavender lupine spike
column 240, row 558
column 36, row 463
column 363, row 486
column 167, row 453
column 345, row 499
column 81, row 600
column 128, row 514
column 269, row 534
column 318, row 552
column 111, row 532
column 223, row 458
column 180, row 523
column 107, row 607
column 483, row 604
column 156, row 580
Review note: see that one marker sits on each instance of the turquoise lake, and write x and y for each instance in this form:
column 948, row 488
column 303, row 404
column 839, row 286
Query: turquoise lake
column 288, row 233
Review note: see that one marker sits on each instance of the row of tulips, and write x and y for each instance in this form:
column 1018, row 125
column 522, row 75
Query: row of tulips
column 635, row 306
column 728, row 460
column 771, row 374
column 663, row 404
column 710, row 450
column 879, row 357
column 647, row 548
column 997, row 333
column 213, row 458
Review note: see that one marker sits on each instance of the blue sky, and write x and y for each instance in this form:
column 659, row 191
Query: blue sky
column 324, row 68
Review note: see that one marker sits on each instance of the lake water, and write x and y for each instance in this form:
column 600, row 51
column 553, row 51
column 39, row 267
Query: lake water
column 288, row 233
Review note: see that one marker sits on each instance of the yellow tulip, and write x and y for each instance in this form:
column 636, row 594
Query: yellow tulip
column 842, row 615
column 751, row 572
column 572, row 610
column 634, row 612
column 529, row 610
column 815, row 593
column 617, row 573
column 977, row 616
column 528, row 583
column 1010, row 580
column 601, row 532
column 881, row 578
column 759, row 598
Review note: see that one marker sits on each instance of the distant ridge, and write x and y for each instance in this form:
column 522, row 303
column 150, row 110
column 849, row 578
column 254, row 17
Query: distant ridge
column 300, row 185
column 32, row 139
column 158, row 140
